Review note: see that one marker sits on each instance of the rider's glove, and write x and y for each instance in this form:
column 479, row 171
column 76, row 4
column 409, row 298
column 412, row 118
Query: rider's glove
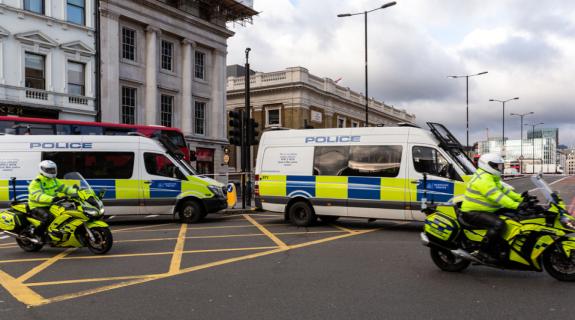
column 523, row 206
column 56, row 199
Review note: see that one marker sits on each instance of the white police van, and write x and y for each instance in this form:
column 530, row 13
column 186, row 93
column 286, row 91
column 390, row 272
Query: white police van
column 140, row 175
column 374, row 173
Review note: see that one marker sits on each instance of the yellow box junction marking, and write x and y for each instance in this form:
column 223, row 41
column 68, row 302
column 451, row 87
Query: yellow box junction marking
column 178, row 250
column 45, row 265
column 265, row 231
column 23, row 292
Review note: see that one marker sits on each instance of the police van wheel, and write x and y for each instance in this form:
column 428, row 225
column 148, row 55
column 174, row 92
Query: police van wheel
column 191, row 212
column 328, row 219
column 301, row 214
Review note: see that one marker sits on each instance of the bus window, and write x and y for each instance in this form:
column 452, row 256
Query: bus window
column 74, row 129
column 32, row 128
column 7, row 127
column 176, row 137
column 118, row 131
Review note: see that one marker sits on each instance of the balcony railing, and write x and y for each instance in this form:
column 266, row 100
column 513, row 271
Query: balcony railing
column 36, row 94
column 78, row 100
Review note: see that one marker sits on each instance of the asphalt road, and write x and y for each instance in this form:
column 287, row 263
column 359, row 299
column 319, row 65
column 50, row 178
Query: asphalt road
column 355, row 270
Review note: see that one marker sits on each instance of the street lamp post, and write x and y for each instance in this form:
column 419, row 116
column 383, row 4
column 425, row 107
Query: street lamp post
column 389, row 4
column 503, row 103
column 467, row 97
column 521, row 115
column 533, row 143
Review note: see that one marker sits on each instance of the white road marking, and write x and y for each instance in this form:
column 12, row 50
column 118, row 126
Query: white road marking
column 153, row 216
column 552, row 183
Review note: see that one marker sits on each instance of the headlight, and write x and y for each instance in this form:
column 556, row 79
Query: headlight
column 216, row 191
column 568, row 222
column 93, row 212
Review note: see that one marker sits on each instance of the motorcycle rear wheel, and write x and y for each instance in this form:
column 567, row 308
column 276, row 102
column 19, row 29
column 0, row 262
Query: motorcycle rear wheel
column 103, row 243
column 447, row 261
column 558, row 265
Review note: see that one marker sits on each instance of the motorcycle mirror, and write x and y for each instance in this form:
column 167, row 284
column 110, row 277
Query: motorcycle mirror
column 76, row 187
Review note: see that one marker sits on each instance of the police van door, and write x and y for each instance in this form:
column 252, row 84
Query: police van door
column 162, row 181
column 440, row 188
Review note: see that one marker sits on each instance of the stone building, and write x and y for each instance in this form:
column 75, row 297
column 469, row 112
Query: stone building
column 164, row 63
column 47, row 59
column 570, row 164
column 295, row 98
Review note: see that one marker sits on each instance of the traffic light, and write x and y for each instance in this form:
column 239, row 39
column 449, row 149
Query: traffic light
column 254, row 132
column 235, row 125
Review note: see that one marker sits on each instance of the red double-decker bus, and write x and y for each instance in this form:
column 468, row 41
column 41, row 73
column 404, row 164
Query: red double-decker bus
column 37, row 126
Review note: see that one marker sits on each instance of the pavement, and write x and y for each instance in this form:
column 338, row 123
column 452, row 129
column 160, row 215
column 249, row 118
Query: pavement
column 255, row 266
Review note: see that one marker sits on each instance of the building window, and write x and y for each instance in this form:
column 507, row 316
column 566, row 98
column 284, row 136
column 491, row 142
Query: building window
column 273, row 117
column 76, row 11
column 167, row 55
column 35, row 71
column 128, row 105
column 166, row 110
column 200, row 118
column 340, row 122
column 200, row 63
column 128, row 44
column 76, row 78
column 36, row 6
column 355, row 124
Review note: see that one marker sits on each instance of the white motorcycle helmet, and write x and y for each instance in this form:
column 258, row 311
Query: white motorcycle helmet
column 492, row 163
column 48, row 169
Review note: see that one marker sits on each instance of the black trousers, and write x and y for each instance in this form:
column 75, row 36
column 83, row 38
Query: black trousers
column 486, row 220
column 43, row 214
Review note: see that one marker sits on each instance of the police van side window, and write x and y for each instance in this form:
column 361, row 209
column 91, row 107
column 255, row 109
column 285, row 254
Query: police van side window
column 374, row 161
column 430, row 161
column 330, row 160
column 159, row 165
column 94, row 165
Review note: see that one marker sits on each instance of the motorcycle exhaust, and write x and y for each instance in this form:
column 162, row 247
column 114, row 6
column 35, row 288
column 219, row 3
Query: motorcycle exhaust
column 17, row 236
column 457, row 252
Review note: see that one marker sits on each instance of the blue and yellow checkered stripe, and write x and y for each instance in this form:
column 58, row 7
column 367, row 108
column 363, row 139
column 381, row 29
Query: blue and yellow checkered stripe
column 115, row 189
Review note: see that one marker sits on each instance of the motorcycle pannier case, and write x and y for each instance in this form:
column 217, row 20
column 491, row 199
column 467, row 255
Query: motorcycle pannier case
column 11, row 220
column 441, row 228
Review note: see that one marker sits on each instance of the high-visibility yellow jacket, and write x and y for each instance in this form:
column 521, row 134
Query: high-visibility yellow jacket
column 486, row 193
column 42, row 191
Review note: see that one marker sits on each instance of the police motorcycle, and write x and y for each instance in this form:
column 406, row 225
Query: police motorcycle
column 78, row 221
column 542, row 237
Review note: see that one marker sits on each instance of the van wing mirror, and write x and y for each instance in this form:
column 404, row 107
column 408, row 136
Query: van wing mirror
column 453, row 175
column 101, row 194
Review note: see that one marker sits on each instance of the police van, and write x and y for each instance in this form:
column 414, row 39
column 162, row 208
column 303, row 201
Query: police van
column 141, row 176
column 373, row 173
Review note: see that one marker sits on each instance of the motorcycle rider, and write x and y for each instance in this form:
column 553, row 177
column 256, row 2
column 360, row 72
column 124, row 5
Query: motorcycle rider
column 484, row 200
column 43, row 192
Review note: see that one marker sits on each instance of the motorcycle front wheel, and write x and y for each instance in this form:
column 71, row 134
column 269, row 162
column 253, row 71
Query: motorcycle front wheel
column 103, row 240
column 558, row 265
column 447, row 261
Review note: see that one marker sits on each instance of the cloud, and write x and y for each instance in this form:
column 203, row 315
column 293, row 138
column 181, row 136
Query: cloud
column 526, row 46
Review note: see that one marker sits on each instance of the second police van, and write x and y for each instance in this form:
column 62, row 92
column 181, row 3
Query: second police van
column 140, row 175
column 373, row 173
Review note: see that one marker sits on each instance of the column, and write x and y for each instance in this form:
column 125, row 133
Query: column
column 187, row 83
column 217, row 129
column 151, row 96
column 110, row 60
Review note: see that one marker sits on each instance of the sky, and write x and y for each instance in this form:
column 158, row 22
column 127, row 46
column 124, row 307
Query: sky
column 527, row 47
